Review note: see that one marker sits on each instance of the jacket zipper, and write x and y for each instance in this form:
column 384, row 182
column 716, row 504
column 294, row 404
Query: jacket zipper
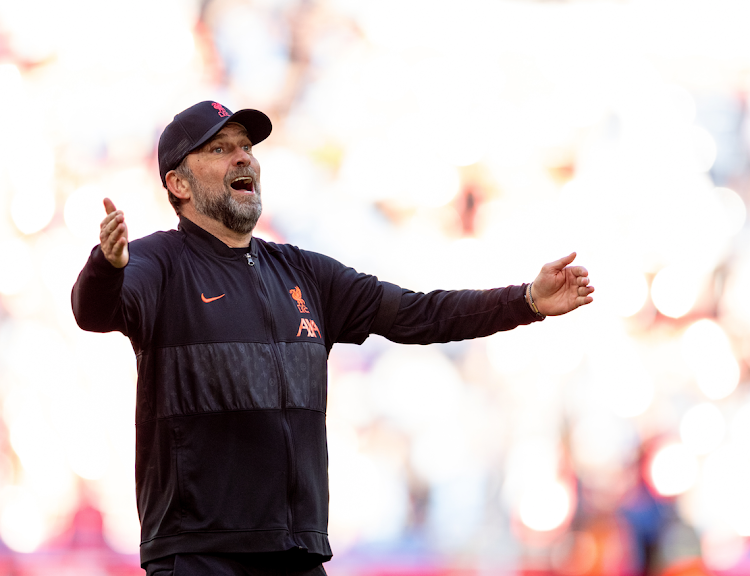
column 292, row 482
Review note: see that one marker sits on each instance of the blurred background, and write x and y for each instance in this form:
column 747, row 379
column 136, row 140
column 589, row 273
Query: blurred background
column 436, row 144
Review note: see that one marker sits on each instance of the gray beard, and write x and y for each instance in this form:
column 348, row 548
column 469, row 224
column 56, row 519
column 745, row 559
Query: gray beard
column 240, row 217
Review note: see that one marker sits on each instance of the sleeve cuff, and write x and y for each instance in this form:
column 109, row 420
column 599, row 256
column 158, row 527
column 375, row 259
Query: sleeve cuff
column 102, row 266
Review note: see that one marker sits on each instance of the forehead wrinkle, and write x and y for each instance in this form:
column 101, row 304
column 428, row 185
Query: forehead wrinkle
column 227, row 131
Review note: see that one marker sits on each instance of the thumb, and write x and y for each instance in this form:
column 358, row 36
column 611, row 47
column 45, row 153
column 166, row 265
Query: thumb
column 563, row 262
column 109, row 206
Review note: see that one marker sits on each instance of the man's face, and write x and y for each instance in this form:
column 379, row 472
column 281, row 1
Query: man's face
column 225, row 179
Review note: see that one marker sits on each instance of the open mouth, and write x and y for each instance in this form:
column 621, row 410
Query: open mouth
column 243, row 183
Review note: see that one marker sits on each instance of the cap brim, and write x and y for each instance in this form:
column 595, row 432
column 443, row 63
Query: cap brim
column 257, row 124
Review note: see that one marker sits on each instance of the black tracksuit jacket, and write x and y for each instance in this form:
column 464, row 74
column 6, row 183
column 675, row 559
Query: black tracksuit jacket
column 231, row 350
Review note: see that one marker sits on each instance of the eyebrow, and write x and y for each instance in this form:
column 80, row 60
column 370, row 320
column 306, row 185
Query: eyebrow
column 219, row 136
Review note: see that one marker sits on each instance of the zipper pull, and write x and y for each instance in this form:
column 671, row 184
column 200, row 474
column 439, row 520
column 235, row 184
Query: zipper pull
column 249, row 259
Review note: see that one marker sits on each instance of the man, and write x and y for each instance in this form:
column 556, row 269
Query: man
column 232, row 335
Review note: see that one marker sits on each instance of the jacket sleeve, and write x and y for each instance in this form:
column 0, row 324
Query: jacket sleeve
column 106, row 299
column 358, row 304
column 450, row 315
column 97, row 295
column 350, row 300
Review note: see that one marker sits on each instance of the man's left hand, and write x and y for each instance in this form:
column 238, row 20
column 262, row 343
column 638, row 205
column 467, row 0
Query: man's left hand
column 560, row 288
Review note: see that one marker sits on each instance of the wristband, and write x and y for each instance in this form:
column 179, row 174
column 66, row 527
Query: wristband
column 530, row 302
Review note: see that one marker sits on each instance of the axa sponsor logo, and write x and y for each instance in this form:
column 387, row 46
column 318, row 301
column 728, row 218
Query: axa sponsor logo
column 310, row 327
column 296, row 293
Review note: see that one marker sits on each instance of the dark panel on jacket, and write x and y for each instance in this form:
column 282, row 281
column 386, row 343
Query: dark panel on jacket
column 228, row 462
column 212, row 378
column 305, row 371
column 310, row 502
column 156, row 486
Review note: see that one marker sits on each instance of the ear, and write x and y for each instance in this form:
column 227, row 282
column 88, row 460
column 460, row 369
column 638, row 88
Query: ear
column 178, row 185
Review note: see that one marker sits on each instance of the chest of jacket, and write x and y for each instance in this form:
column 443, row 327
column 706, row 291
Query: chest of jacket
column 244, row 299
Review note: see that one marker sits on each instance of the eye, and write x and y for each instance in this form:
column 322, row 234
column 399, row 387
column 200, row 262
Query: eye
column 218, row 150
column 247, row 148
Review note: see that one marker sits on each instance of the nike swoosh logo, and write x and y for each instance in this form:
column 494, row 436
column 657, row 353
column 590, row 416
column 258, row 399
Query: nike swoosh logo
column 207, row 300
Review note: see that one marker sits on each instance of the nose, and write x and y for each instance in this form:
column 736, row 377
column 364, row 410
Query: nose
column 243, row 158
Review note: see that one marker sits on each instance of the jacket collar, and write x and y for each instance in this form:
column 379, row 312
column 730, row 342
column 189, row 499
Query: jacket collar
column 206, row 241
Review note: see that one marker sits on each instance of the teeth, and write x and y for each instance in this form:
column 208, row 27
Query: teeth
column 244, row 179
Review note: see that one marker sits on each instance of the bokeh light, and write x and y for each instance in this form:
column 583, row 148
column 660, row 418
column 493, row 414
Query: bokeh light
column 708, row 352
column 673, row 469
column 734, row 209
column 17, row 265
column 624, row 290
column 674, row 290
column 21, row 520
column 544, row 506
column 32, row 211
column 702, row 428
column 631, row 397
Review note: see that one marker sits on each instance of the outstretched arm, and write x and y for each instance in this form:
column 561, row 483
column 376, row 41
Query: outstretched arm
column 560, row 288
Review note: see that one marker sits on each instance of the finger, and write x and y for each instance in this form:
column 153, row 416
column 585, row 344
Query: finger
column 109, row 225
column 578, row 271
column 113, row 231
column 108, row 241
column 113, row 251
column 117, row 216
column 563, row 262
column 117, row 232
column 584, row 301
column 119, row 246
column 109, row 206
column 124, row 232
column 582, row 280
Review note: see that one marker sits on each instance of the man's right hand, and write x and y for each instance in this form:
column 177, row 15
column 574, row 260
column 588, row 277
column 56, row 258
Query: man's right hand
column 114, row 236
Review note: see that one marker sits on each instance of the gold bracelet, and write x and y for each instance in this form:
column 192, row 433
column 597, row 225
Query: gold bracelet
column 530, row 302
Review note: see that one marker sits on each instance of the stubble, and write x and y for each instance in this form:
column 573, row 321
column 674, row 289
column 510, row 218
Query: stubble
column 240, row 216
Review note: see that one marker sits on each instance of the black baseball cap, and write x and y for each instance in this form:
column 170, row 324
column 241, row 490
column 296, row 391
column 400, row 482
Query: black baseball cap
column 194, row 126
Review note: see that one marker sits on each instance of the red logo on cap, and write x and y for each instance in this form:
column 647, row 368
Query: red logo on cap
column 220, row 108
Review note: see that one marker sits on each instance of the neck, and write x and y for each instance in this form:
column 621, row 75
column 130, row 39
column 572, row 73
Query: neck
column 215, row 228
